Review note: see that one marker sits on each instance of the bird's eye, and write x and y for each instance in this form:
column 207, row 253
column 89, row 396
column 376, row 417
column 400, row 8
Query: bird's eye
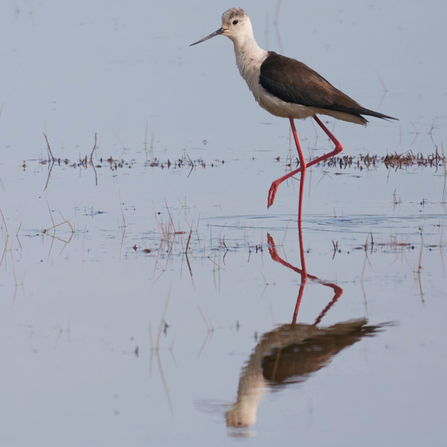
column 235, row 22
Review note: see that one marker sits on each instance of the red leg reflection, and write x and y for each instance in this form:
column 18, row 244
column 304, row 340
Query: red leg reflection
column 338, row 291
column 275, row 256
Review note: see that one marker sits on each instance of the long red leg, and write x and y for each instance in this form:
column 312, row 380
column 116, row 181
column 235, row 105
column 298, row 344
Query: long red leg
column 337, row 150
column 274, row 188
column 300, row 209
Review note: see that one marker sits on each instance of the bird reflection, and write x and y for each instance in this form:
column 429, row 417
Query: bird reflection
column 290, row 353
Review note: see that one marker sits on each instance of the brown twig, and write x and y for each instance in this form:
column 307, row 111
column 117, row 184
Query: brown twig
column 94, row 148
column 49, row 148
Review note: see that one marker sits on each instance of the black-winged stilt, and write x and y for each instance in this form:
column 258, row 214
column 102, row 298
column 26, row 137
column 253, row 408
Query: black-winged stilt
column 287, row 88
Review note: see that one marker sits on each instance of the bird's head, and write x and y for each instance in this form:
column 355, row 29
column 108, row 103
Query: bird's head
column 235, row 24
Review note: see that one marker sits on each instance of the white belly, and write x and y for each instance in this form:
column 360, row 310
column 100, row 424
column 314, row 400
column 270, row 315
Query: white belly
column 283, row 109
column 280, row 108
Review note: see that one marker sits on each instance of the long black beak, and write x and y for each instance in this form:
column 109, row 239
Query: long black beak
column 216, row 33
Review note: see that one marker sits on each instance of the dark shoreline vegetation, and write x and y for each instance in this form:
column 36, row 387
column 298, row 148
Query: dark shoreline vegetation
column 390, row 161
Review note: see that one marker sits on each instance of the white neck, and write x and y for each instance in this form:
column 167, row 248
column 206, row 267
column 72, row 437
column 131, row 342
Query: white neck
column 249, row 57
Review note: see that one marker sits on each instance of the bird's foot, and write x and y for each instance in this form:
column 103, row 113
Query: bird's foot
column 272, row 193
column 274, row 188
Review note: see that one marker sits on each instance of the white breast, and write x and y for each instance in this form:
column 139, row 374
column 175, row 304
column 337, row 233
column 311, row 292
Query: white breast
column 249, row 59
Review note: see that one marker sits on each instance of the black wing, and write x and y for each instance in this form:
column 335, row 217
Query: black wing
column 294, row 82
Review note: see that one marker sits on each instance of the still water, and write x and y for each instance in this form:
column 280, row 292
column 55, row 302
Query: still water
column 148, row 295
